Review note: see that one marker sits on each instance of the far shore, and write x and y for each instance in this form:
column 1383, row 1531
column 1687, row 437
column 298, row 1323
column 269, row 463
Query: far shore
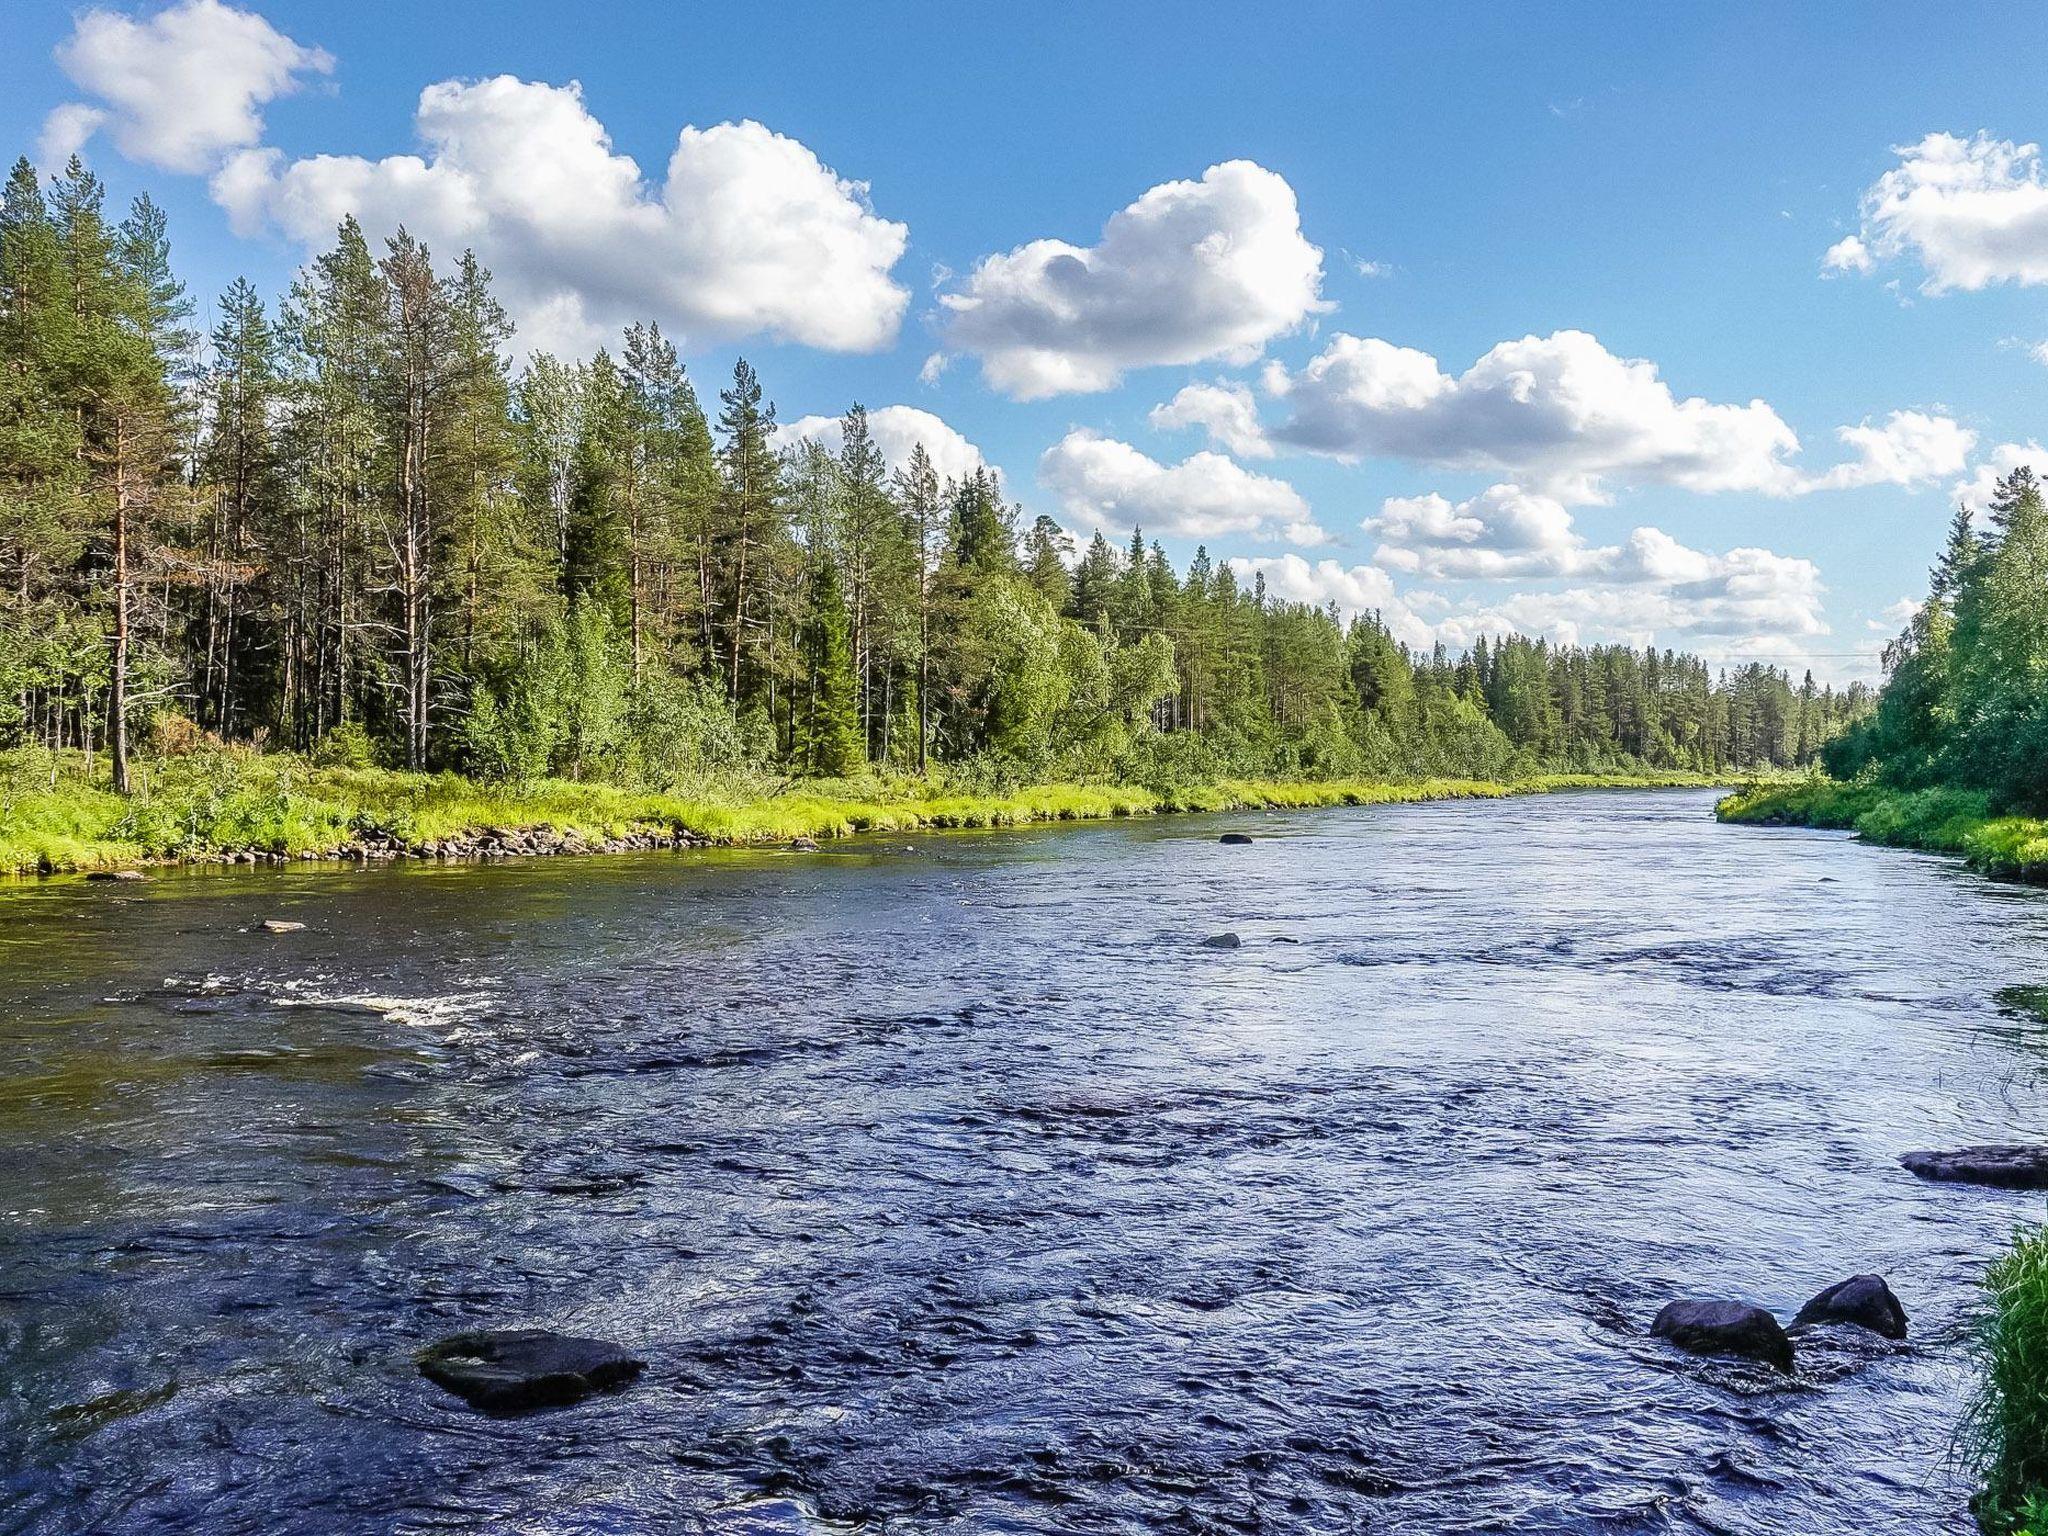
column 274, row 810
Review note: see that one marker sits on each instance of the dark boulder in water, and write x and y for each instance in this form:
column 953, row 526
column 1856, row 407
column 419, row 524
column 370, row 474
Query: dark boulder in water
column 1863, row 1300
column 1235, row 839
column 117, row 874
column 803, row 845
column 1222, row 941
column 511, row 1370
column 1705, row 1327
column 2024, row 1167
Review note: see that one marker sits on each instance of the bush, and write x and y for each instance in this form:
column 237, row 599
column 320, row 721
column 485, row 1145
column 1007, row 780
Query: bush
column 348, row 745
column 2007, row 1431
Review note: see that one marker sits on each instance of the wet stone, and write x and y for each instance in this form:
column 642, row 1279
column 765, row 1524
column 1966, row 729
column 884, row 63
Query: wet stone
column 513, row 1370
column 2001, row 1167
column 1235, row 839
column 1222, row 941
column 1864, row 1301
column 281, row 925
column 1713, row 1327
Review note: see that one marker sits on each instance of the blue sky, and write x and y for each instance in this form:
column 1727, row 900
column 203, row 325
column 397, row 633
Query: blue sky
column 1616, row 183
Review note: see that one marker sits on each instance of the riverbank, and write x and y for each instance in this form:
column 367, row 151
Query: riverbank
column 254, row 808
column 1955, row 821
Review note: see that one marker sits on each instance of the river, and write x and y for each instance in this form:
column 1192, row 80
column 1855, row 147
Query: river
column 949, row 1184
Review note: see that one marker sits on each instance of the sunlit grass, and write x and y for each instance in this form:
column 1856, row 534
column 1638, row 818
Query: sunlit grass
column 53, row 819
column 1941, row 820
column 2006, row 1433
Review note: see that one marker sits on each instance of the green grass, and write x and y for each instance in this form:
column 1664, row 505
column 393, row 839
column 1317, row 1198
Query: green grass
column 53, row 819
column 2006, row 1434
column 1941, row 820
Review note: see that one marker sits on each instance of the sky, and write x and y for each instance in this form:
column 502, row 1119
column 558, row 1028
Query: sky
column 1685, row 325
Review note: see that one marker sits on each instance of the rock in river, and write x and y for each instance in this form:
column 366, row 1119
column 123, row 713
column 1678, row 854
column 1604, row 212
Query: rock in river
column 1864, row 1300
column 803, row 845
column 1222, row 941
column 1705, row 1327
column 117, row 874
column 281, row 925
column 1235, row 839
column 510, row 1370
column 2001, row 1167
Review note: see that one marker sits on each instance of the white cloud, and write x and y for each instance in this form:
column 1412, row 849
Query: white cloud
column 1895, row 617
column 1559, row 413
column 180, row 89
column 1504, row 531
column 896, row 429
column 748, row 232
column 1103, row 483
column 1354, row 589
column 1910, row 449
column 1747, row 599
column 64, row 133
column 1224, row 409
column 1849, row 254
column 2039, row 353
column 1977, row 488
column 1193, row 270
column 1972, row 212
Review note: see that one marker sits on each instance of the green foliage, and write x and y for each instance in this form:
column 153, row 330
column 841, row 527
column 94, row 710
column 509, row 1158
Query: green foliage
column 2007, row 1430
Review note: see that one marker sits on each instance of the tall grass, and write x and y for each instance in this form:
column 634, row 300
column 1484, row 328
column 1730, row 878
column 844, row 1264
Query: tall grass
column 1941, row 820
column 2006, row 1433
column 54, row 818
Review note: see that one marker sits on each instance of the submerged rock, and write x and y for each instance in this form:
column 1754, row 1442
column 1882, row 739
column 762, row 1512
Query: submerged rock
column 1235, row 839
column 2001, row 1167
column 281, row 925
column 117, row 874
column 1864, row 1301
column 1712, row 1327
column 803, row 845
column 511, row 1370
column 1222, row 941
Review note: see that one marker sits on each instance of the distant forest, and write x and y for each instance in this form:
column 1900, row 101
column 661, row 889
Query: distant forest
column 345, row 524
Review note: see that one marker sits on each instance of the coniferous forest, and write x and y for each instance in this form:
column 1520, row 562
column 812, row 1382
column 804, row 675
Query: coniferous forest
column 343, row 523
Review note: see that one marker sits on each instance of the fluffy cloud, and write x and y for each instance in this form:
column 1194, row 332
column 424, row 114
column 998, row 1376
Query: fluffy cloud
column 1354, row 589
column 178, row 90
column 896, row 429
column 1745, row 600
column 1192, row 270
column 1975, row 491
column 748, row 232
column 1225, row 410
column 1849, row 254
column 1106, row 484
column 1910, row 449
column 1504, row 531
column 1972, row 212
column 1560, row 413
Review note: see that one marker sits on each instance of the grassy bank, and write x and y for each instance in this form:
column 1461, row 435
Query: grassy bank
column 1942, row 820
column 55, row 820
column 2007, row 1432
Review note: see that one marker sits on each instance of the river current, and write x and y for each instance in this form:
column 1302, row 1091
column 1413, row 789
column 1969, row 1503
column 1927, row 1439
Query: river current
column 950, row 1184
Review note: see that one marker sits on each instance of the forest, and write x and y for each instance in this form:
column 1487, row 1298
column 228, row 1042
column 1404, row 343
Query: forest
column 345, row 524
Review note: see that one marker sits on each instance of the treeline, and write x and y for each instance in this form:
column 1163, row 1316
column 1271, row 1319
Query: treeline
column 1965, row 699
column 348, row 526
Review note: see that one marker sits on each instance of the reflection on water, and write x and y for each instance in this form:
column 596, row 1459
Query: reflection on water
column 958, row 1188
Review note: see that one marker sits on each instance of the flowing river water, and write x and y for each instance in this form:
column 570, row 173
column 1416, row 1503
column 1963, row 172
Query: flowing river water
column 949, row 1184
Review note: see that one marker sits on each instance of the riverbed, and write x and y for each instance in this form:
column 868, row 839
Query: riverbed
column 949, row 1183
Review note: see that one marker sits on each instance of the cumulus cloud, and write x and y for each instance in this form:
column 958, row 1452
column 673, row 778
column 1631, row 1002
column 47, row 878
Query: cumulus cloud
column 748, row 231
column 1225, row 410
column 896, row 429
column 1910, row 449
column 1193, row 270
column 1976, row 489
column 1354, row 589
column 1972, row 212
column 1504, row 531
column 1102, row 483
column 1849, row 254
column 178, row 90
column 1559, row 413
